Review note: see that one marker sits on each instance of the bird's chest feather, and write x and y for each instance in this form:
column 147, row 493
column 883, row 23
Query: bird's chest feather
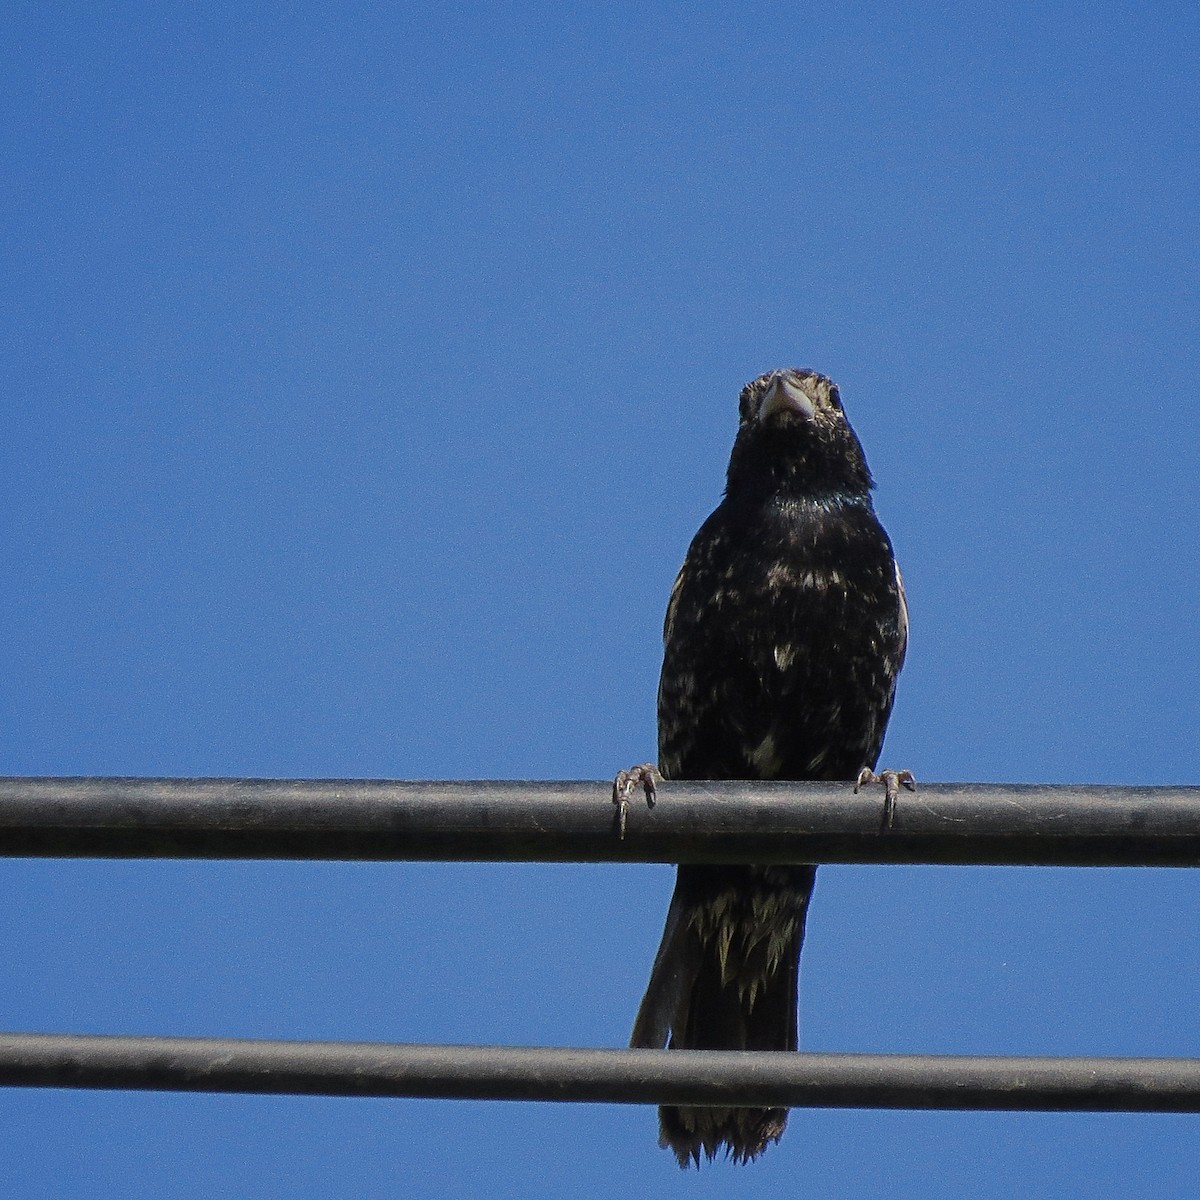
column 796, row 575
column 789, row 625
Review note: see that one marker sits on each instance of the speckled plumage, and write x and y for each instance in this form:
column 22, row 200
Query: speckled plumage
column 784, row 635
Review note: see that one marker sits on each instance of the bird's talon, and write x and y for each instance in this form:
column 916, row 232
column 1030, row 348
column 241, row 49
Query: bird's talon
column 892, row 782
column 646, row 776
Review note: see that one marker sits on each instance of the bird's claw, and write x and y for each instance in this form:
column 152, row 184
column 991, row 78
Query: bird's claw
column 645, row 776
column 892, row 782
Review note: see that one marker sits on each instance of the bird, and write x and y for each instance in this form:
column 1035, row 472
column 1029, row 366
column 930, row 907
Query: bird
column 784, row 635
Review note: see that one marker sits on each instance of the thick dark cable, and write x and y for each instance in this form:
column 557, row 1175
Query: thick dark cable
column 574, row 822
column 612, row 1076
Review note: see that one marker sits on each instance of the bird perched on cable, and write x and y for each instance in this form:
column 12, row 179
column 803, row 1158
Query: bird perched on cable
column 784, row 634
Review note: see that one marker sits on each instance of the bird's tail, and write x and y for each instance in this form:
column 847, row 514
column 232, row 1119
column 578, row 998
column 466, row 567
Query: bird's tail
column 725, row 979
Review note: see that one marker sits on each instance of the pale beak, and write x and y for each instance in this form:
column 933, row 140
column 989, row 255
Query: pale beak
column 784, row 396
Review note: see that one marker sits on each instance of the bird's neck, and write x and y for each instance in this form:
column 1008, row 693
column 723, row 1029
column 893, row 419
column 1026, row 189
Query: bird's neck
column 801, row 469
column 797, row 496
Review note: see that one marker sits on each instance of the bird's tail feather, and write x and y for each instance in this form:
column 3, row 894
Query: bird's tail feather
column 725, row 978
column 676, row 967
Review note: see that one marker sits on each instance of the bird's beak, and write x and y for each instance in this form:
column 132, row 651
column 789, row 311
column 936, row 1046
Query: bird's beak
column 784, row 396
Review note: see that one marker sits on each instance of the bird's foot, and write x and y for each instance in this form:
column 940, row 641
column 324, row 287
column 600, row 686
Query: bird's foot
column 892, row 782
column 646, row 777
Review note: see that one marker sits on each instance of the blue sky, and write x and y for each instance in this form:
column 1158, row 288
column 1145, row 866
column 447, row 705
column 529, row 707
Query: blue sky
column 366, row 373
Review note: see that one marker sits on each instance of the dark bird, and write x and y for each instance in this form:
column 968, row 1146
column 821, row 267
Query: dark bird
column 784, row 634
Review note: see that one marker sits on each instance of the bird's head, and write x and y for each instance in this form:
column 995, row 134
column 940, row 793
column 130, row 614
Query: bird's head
column 793, row 436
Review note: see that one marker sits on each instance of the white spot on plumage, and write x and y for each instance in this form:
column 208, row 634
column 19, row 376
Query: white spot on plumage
column 781, row 575
column 765, row 757
column 784, row 656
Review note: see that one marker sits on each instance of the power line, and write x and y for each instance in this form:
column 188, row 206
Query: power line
column 609, row 1076
column 573, row 821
